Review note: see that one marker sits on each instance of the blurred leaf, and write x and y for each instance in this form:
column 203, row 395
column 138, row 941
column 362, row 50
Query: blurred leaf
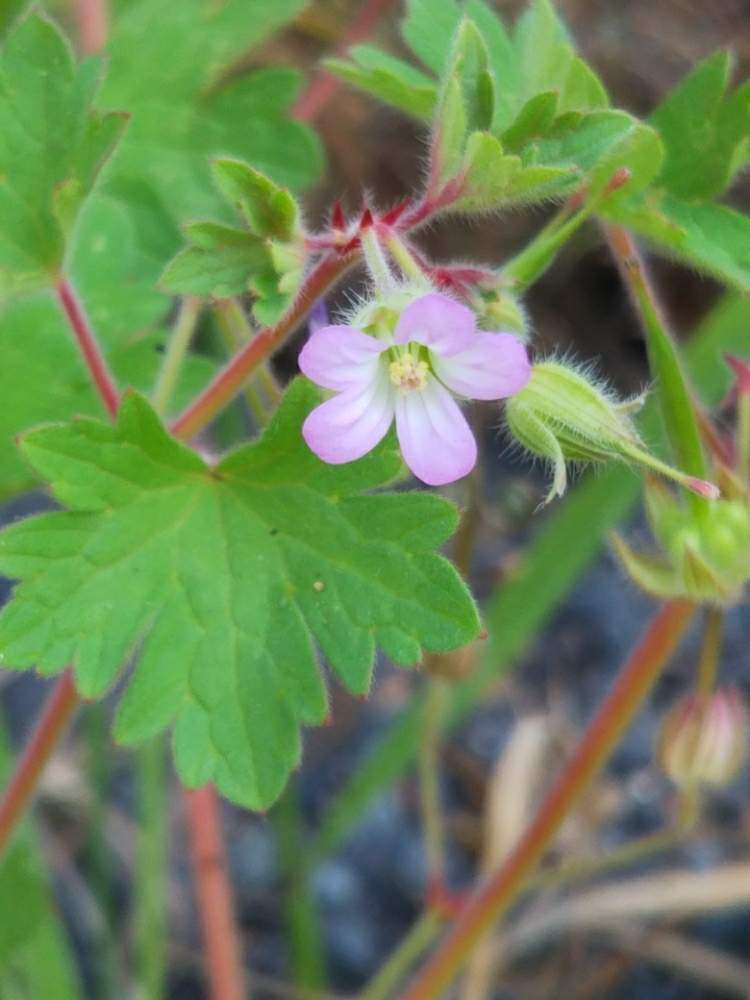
column 291, row 550
column 705, row 133
column 392, row 80
column 532, row 121
column 52, row 146
column 710, row 237
column 522, row 605
column 34, row 958
column 268, row 209
column 169, row 68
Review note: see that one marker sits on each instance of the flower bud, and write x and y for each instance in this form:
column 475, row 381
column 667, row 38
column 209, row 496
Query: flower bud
column 562, row 415
column 702, row 739
column 704, row 559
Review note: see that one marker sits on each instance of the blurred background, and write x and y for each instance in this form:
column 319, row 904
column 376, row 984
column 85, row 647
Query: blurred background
column 366, row 882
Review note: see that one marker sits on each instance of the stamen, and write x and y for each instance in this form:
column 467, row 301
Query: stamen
column 408, row 373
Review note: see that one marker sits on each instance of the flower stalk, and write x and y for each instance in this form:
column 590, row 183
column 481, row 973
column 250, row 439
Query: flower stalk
column 493, row 898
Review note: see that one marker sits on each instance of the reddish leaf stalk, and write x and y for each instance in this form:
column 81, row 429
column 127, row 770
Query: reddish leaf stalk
column 324, row 85
column 86, row 340
column 493, row 898
column 229, row 380
column 214, row 896
column 92, row 17
column 53, row 722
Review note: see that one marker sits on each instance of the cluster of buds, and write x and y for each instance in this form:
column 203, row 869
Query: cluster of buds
column 703, row 739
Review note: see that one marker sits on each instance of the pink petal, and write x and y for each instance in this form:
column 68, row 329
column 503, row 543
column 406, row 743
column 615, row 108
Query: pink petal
column 495, row 366
column 440, row 323
column 340, row 357
column 352, row 423
column 436, row 441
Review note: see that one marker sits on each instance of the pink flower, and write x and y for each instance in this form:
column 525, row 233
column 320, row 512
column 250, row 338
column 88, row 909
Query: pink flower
column 435, row 352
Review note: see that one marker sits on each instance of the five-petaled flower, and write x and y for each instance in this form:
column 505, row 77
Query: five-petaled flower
column 410, row 374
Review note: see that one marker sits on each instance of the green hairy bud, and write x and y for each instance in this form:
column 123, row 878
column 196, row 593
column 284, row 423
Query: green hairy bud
column 563, row 416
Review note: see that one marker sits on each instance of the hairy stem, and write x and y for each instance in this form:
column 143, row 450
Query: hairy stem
column 225, row 971
column 492, row 899
column 230, row 379
column 89, row 348
column 672, row 387
column 52, row 723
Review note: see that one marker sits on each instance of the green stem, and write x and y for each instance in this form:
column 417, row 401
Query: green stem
column 303, row 929
column 671, row 383
column 493, row 898
column 408, row 265
column 377, row 262
column 99, row 768
column 531, row 263
column 401, row 959
column 236, row 332
column 743, row 437
column 177, row 347
column 150, row 895
column 429, row 780
column 708, row 664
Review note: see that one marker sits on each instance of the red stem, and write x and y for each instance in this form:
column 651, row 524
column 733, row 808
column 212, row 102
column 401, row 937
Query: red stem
column 92, row 25
column 491, row 899
column 88, row 345
column 53, row 722
column 324, row 85
column 229, row 380
column 226, row 975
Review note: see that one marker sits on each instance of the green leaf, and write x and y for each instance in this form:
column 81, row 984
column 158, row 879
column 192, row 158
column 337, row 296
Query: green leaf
column 710, row 237
column 267, row 258
column 705, row 133
column 269, row 209
column 219, row 262
column 543, row 49
column 173, row 68
column 46, row 379
column 429, row 29
column 493, row 180
column 390, row 79
column 52, row 147
column 221, row 577
column 532, row 121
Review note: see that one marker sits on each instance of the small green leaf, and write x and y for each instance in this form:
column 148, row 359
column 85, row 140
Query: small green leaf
column 429, row 29
column 269, row 209
column 222, row 577
column 387, row 78
column 640, row 150
column 532, row 121
column 493, row 180
column 705, row 133
column 449, row 133
column 52, row 147
column 219, row 262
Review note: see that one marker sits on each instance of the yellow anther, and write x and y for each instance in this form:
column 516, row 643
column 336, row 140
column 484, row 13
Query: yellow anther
column 408, row 373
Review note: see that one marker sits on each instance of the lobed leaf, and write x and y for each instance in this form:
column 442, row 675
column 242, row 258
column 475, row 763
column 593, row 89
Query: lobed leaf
column 221, row 578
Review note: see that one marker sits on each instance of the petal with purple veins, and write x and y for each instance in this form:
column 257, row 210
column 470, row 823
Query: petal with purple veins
column 350, row 424
column 438, row 322
column 435, row 439
column 340, row 357
column 495, row 366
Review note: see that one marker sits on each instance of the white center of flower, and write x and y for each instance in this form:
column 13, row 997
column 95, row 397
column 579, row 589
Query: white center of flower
column 408, row 373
